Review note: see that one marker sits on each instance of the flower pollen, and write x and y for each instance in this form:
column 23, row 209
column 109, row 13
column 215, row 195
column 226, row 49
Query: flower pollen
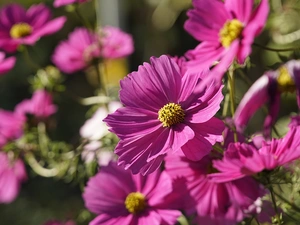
column 230, row 31
column 135, row 202
column 171, row 114
column 285, row 81
column 20, row 30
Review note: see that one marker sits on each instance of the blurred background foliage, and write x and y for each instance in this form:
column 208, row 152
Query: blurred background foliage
column 157, row 28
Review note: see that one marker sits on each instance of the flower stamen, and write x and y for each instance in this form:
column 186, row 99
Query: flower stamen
column 135, row 202
column 20, row 30
column 285, row 81
column 171, row 114
column 231, row 30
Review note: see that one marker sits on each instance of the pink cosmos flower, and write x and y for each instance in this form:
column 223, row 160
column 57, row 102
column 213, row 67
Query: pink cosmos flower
column 12, row 174
column 83, row 46
column 21, row 27
column 77, row 52
column 118, row 197
column 115, row 43
column 56, row 222
column 268, row 88
column 215, row 203
column 241, row 160
column 11, row 126
column 226, row 31
column 6, row 64
column 59, row 3
column 164, row 111
column 40, row 105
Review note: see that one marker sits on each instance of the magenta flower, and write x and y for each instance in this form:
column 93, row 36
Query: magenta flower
column 56, row 222
column 12, row 174
column 118, row 197
column 268, row 88
column 6, row 64
column 164, row 112
column 226, row 31
column 40, row 105
column 21, row 27
column 11, row 126
column 241, row 160
column 115, row 43
column 59, row 3
column 77, row 52
column 215, row 203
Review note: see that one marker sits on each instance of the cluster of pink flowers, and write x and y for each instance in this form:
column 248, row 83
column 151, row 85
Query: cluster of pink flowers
column 168, row 120
column 11, row 128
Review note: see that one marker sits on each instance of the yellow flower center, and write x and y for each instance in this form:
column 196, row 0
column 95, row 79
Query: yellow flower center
column 20, row 30
column 231, row 30
column 135, row 202
column 171, row 114
column 285, row 81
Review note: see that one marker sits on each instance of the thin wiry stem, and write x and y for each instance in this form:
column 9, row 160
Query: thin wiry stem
column 276, row 49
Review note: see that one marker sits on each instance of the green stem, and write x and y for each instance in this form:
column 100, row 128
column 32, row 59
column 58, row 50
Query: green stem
column 274, row 204
column 101, row 81
column 83, row 20
column 287, row 202
column 28, row 59
column 226, row 105
column 256, row 220
column 218, row 148
column 275, row 49
column 232, row 97
column 94, row 100
column 37, row 168
column 182, row 220
column 43, row 142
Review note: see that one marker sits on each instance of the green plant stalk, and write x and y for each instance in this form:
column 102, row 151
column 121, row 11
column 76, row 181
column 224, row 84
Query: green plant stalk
column 275, row 49
column 232, row 97
column 274, row 204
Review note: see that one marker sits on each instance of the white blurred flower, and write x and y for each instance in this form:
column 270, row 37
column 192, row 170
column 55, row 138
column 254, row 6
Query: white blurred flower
column 94, row 128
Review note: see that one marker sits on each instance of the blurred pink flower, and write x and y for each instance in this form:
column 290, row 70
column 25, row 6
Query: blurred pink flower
column 268, row 88
column 215, row 203
column 40, row 105
column 241, row 160
column 59, row 3
column 6, row 64
column 226, row 31
column 115, row 43
column 21, row 27
column 56, row 222
column 83, row 46
column 164, row 112
column 118, row 197
column 11, row 126
column 77, row 52
column 12, row 174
